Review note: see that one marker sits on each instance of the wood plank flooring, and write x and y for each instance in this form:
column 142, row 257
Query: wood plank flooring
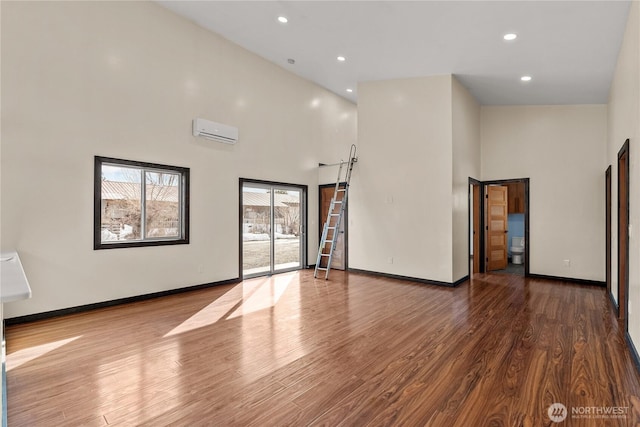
column 355, row 350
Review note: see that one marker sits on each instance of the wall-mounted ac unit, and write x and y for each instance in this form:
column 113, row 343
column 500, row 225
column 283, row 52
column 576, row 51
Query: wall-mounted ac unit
column 215, row 131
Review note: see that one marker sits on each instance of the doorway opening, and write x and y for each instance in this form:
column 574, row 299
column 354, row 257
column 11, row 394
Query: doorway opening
column 476, row 250
column 607, row 192
column 272, row 227
column 339, row 259
column 623, row 233
column 501, row 236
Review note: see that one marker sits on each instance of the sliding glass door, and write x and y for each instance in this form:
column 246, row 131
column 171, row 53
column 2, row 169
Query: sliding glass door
column 273, row 238
column 256, row 230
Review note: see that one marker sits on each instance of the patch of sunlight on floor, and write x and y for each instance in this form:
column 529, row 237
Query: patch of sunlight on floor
column 266, row 295
column 247, row 297
column 211, row 313
column 20, row 357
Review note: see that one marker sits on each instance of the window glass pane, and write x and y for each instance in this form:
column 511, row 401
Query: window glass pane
column 162, row 208
column 286, row 207
column 121, row 203
column 256, row 230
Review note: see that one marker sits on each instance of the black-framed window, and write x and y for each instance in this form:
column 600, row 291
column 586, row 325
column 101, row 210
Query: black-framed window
column 139, row 204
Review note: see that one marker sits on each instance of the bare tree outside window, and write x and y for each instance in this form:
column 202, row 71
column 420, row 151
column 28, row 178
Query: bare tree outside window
column 162, row 212
column 287, row 211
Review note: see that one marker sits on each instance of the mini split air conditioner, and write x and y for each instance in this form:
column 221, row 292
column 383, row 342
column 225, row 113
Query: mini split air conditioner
column 215, row 131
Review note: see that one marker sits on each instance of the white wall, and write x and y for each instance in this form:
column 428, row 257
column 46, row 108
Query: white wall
column 466, row 163
column 125, row 79
column 624, row 122
column 562, row 149
column 400, row 200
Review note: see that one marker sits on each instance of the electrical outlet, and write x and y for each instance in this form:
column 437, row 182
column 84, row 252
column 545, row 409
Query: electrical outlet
column 390, row 260
column 567, row 262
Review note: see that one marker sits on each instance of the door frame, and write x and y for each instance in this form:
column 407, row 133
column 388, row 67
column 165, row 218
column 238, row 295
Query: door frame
column 303, row 225
column 345, row 221
column 623, row 252
column 483, row 225
column 477, row 213
column 607, row 192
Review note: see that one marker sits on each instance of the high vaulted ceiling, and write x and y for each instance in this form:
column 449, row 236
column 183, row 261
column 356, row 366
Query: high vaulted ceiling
column 569, row 48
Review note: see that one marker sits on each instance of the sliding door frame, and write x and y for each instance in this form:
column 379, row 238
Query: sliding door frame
column 303, row 225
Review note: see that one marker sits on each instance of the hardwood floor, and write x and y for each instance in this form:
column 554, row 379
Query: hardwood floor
column 355, row 350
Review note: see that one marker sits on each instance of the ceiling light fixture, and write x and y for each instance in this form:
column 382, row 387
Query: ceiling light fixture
column 510, row 36
column 525, row 78
column 282, row 19
column 341, row 58
column 349, row 90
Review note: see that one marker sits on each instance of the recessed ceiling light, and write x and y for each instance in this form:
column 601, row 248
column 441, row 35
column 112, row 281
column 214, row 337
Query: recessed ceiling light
column 283, row 19
column 349, row 90
column 525, row 78
column 510, row 36
column 341, row 58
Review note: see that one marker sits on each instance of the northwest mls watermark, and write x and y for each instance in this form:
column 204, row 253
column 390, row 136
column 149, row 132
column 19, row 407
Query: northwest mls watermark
column 557, row 412
column 600, row 412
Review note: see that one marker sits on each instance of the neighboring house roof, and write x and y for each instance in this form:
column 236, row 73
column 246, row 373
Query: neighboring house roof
column 287, row 199
column 116, row 190
column 258, row 199
column 264, row 199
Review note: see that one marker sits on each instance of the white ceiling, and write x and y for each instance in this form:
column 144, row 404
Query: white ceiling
column 568, row 47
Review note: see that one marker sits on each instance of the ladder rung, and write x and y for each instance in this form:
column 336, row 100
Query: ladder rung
column 328, row 241
column 337, row 201
column 321, row 268
column 334, row 214
column 324, row 254
column 331, row 228
column 341, row 189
